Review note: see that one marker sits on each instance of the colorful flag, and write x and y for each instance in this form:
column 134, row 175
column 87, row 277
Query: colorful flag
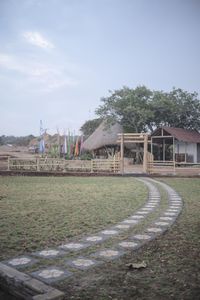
column 65, row 144
column 42, row 146
column 81, row 146
column 76, row 152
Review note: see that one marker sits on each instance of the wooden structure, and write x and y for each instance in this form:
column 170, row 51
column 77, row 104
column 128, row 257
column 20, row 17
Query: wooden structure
column 176, row 144
column 175, row 151
column 62, row 165
column 134, row 138
column 103, row 141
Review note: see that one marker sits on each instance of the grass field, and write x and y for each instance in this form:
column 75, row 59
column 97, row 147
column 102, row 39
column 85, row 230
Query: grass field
column 172, row 260
column 41, row 212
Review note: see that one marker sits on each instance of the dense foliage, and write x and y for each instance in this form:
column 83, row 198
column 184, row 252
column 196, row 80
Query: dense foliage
column 141, row 109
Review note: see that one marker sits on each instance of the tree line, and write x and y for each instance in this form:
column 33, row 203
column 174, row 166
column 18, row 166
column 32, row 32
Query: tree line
column 143, row 110
column 18, row 141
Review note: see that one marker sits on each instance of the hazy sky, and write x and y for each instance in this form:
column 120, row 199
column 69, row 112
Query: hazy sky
column 59, row 57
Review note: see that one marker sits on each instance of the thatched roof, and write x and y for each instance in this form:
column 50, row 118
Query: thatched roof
column 103, row 136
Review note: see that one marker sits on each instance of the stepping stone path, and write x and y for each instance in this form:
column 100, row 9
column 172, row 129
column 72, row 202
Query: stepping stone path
column 156, row 227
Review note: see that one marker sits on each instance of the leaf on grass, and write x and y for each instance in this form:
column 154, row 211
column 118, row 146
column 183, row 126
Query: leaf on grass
column 137, row 266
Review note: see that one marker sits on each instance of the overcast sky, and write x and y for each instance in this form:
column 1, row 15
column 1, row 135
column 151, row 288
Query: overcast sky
column 59, row 57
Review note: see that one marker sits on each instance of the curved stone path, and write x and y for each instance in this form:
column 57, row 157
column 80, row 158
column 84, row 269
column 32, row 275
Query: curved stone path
column 154, row 228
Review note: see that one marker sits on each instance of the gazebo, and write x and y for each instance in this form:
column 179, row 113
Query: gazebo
column 176, row 144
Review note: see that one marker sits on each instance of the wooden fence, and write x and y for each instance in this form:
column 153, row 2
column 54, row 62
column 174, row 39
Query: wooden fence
column 62, row 165
column 173, row 168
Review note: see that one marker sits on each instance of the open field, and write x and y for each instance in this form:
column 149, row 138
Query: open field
column 45, row 211
column 41, row 212
column 172, row 261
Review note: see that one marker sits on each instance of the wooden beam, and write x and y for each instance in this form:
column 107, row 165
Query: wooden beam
column 145, row 153
column 122, row 153
column 161, row 137
column 174, row 155
column 163, row 149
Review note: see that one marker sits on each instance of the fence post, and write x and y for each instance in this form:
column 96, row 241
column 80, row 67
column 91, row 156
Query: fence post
column 91, row 169
column 38, row 164
column 145, row 153
column 122, row 153
column 8, row 163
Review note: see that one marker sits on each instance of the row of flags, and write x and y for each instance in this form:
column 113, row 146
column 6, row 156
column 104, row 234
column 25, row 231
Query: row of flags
column 72, row 145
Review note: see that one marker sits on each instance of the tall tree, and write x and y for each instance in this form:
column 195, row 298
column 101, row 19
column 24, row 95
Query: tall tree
column 177, row 108
column 130, row 107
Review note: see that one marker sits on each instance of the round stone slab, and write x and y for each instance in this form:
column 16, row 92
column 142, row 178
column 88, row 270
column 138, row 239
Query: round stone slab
column 108, row 254
column 21, row 262
column 49, row 253
column 137, row 217
column 95, row 238
column 142, row 237
column 74, row 246
column 109, row 232
column 166, row 218
column 83, row 263
column 127, row 244
column 51, row 274
column 80, row 262
column 122, row 226
column 154, row 229
column 170, row 214
column 130, row 221
column 143, row 212
column 162, row 223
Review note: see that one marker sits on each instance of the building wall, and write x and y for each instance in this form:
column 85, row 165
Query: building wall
column 190, row 148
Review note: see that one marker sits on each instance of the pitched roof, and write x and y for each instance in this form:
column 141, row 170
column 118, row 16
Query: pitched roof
column 102, row 136
column 184, row 135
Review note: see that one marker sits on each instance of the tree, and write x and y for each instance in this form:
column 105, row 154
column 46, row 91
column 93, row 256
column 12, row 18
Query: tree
column 89, row 126
column 177, row 108
column 130, row 107
column 140, row 109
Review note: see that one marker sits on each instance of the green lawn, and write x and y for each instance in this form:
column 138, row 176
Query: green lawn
column 37, row 212
column 40, row 212
column 173, row 261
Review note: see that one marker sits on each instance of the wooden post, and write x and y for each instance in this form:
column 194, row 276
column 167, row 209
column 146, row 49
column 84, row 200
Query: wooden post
column 38, row 164
column 152, row 145
column 122, row 153
column 8, row 163
column 91, row 166
column 145, row 153
column 174, row 155
column 185, row 152
column 163, row 149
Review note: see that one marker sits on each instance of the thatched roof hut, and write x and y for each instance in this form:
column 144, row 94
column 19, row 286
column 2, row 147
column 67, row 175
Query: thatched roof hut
column 103, row 136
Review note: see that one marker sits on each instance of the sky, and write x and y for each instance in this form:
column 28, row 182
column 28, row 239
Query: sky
column 59, row 57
